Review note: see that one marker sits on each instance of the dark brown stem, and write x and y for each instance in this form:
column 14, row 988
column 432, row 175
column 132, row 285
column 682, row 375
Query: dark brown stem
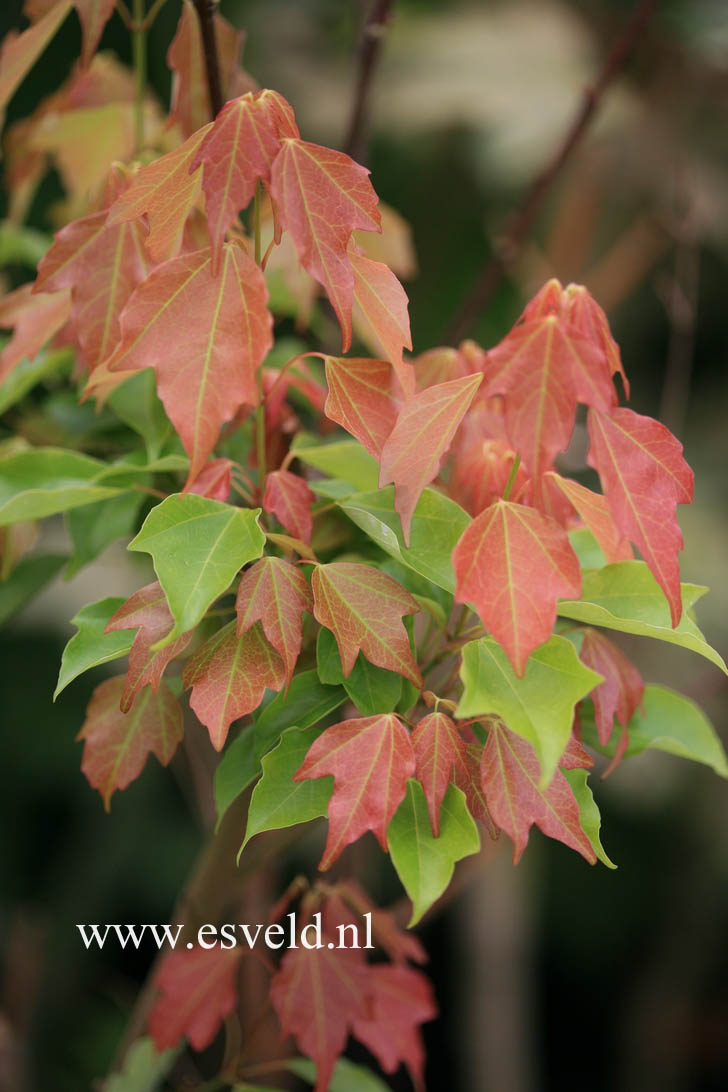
column 206, row 14
column 529, row 207
column 369, row 49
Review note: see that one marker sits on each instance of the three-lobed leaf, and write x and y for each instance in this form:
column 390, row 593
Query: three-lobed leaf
column 221, row 329
column 197, row 545
column 117, row 744
column 512, row 563
column 425, row 863
column 370, row 759
column 363, row 608
column 539, row 706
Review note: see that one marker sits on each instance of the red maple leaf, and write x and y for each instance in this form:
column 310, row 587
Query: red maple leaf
column 275, row 593
column 510, row 774
column 513, row 563
column 594, row 512
column 165, row 192
column 318, row 994
column 198, row 989
column 94, row 15
column 370, row 759
column 289, row 499
column 323, row 196
column 101, row 266
column 381, row 306
column 221, row 329
column 361, row 399
column 229, row 675
column 543, row 368
column 214, row 480
column 421, row 436
column 148, row 610
column 363, row 608
column 35, row 319
column 621, row 693
column 438, row 748
column 402, row 999
column 117, row 744
column 644, row 478
column 467, row 778
column 238, row 152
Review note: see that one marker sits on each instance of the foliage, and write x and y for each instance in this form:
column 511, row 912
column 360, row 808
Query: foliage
column 429, row 568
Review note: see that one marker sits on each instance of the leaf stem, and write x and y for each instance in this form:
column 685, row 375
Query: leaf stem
column 139, row 53
column 511, row 477
column 153, row 13
column 260, row 410
column 126, row 15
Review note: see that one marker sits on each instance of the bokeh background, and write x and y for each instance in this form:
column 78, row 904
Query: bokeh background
column 553, row 975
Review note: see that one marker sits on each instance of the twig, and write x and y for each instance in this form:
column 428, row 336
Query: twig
column 206, row 14
column 522, row 221
column 369, row 49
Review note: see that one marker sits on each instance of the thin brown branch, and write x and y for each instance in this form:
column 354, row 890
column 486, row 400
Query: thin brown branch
column 369, row 50
column 206, row 14
column 529, row 207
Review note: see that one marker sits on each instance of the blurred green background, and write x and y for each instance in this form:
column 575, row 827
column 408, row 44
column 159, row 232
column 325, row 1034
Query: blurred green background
column 552, row 976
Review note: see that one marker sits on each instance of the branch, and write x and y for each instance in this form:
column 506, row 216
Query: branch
column 369, row 49
column 524, row 216
column 206, row 14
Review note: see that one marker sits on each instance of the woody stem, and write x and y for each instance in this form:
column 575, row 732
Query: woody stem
column 139, row 53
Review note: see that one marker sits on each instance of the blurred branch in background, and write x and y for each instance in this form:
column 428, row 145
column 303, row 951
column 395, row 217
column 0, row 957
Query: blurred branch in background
column 509, row 246
column 369, row 48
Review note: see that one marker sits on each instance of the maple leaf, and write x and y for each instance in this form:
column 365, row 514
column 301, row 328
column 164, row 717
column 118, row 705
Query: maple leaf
column 190, row 107
column 101, row 266
column 399, row 944
column 513, row 563
column 510, row 775
column 402, row 999
column 583, row 311
column 363, row 608
column 238, row 152
column 148, row 610
column 574, row 756
column 593, row 509
column 317, row 994
column 19, row 52
column 275, row 593
column 35, row 319
column 481, row 471
column 323, row 196
column 644, row 478
column 421, row 436
column 94, row 15
column 360, row 399
column 543, row 368
column 370, row 759
column 220, row 328
column 117, row 744
column 466, row 777
column 214, row 480
column 229, row 675
column 380, row 314
column 289, row 499
column 198, row 989
column 438, row 748
column 621, row 693
column 165, row 191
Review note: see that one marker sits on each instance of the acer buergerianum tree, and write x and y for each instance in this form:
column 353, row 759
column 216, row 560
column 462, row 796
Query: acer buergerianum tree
column 375, row 588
